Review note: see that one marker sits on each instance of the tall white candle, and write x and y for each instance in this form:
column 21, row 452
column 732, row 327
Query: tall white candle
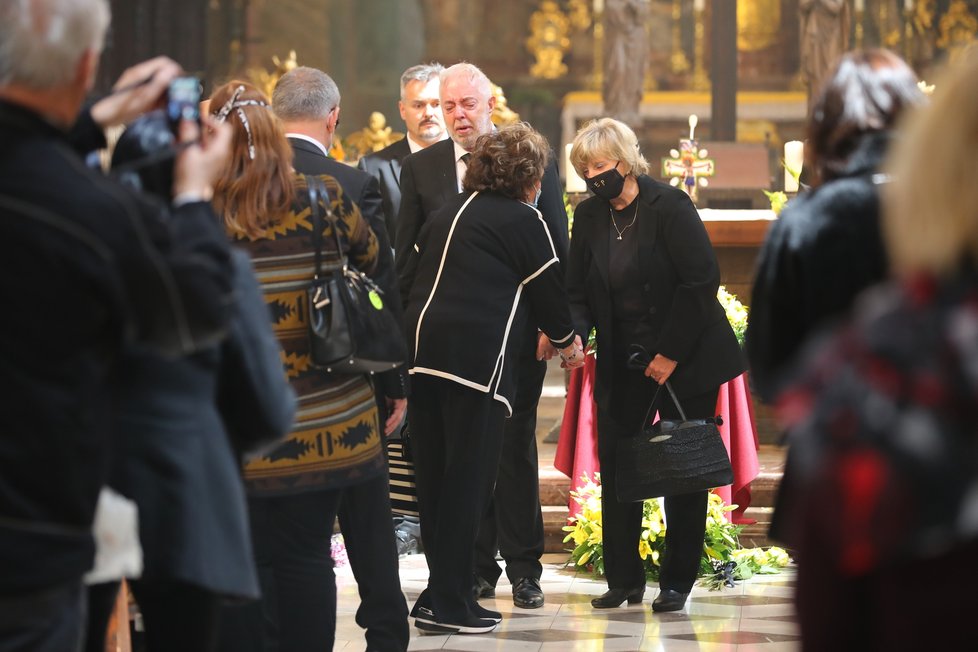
column 573, row 181
column 598, row 6
column 908, row 5
column 860, row 5
column 794, row 157
column 699, row 5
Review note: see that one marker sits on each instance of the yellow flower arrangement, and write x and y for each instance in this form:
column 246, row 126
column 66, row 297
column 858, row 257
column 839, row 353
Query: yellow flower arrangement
column 721, row 546
column 736, row 312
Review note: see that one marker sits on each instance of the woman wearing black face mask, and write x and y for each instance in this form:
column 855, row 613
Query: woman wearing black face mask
column 642, row 272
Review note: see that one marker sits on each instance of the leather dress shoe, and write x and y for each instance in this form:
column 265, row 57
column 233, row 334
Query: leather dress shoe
column 481, row 588
column 614, row 597
column 669, row 600
column 527, row 593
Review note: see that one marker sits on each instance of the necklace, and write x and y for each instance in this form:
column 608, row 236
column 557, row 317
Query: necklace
column 621, row 232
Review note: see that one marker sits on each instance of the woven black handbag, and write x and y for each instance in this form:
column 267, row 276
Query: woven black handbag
column 351, row 329
column 672, row 457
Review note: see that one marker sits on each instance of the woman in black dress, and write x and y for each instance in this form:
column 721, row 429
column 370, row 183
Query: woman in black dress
column 642, row 272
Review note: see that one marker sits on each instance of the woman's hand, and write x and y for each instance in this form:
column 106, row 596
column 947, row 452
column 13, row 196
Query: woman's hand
column 660, row 368
column 396, row 407
column 545, row 350
column 572, row 356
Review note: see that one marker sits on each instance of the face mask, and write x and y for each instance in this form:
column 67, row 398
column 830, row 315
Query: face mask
column 608, row 184
column 536, row 198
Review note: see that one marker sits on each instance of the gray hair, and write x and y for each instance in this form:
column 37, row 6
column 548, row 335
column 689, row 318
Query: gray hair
column 471, row 73
column 424, row 73
column 305, row 93
column 41, row 41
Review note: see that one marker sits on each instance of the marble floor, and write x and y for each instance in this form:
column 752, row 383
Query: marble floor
column 755, row 616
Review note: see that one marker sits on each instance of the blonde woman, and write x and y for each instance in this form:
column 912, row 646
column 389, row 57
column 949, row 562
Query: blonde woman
column 642, row 272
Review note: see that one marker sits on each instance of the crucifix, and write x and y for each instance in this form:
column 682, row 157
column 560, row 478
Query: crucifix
column 688, row 165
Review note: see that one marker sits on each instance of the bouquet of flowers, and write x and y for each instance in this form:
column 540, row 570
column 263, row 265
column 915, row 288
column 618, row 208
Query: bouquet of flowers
column 736, row 312
column 721, row 546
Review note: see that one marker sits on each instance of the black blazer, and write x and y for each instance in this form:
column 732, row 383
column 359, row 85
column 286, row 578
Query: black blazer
column 385, row 166
column 681, row 281
column 428, row 182
column 173, row 450
column 365, row 193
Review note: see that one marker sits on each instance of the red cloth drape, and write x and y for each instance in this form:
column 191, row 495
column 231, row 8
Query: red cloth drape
column 577, row 448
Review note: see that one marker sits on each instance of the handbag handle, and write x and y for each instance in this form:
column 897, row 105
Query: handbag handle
column 675, row 401
column 316, row 189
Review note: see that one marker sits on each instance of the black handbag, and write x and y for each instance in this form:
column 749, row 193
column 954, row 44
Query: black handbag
column 671, row 457
column 351, row 329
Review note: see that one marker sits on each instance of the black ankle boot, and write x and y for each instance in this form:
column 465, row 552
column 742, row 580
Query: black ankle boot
column 614, row 597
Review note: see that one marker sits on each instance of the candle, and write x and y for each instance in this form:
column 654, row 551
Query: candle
column 598, row 6
column 794, row 157
column 574, row 182
column 693, row 120
column 699, row 5
column 860, row 5
column 908, row 5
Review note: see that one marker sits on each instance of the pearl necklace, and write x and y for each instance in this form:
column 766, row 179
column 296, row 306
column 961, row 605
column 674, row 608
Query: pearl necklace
column 621, row 232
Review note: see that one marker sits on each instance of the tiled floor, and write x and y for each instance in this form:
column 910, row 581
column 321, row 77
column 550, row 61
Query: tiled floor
column 755, row 616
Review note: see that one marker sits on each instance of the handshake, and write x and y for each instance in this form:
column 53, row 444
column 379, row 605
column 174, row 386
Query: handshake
column 571, row 356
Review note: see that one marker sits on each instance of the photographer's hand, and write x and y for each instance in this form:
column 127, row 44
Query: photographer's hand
column 139, row 89
column 203, row 158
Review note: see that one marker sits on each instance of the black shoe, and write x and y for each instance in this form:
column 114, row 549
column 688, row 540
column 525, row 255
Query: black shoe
column 481, row 588
column 527, row 593
column 481, row 612
column 614, row 597
column 669, row 600
column 426, row 620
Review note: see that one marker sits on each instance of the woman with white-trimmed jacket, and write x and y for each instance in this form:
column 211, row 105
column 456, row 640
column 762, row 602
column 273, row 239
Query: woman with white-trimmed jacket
column 483, row 265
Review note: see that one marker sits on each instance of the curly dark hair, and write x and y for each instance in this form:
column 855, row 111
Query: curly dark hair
column 508, row 161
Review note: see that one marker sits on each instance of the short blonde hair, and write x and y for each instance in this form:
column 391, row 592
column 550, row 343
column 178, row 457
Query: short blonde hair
column 930, row 218
column 610, row 139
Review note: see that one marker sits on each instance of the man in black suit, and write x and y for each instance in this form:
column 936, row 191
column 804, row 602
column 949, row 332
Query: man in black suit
column 308, row 103
column 421, row 111
column 429, row 179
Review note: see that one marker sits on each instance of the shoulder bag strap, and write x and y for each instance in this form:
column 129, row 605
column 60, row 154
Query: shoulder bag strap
column 317, row 189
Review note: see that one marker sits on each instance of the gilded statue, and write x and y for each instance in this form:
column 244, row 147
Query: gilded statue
column 957, row 29
column 265, row 80
column 374, row 137
column 502, row 115
column 758, row 24
column 548, row 41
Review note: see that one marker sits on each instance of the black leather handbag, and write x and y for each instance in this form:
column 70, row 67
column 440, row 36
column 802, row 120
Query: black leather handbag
column 351, row 329
column 672, row 457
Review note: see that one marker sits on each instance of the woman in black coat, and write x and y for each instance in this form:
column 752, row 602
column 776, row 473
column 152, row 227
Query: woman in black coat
column 181, row 426
column 826, row 247
column 642, row 271
column 483, row 262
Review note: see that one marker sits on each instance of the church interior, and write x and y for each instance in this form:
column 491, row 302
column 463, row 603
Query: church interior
column 718, row 93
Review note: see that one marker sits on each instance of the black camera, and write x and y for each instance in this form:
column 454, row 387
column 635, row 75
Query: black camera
column 183, row 101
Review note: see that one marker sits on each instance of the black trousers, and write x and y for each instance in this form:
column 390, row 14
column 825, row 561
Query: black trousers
column 50, row 620
column 297, row 613
column 622, row 522
column 367, row 525
column 456, row 438
column 177, row 615
column 513, row 524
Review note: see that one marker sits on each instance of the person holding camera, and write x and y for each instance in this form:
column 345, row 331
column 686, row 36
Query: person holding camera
column 87, row 267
